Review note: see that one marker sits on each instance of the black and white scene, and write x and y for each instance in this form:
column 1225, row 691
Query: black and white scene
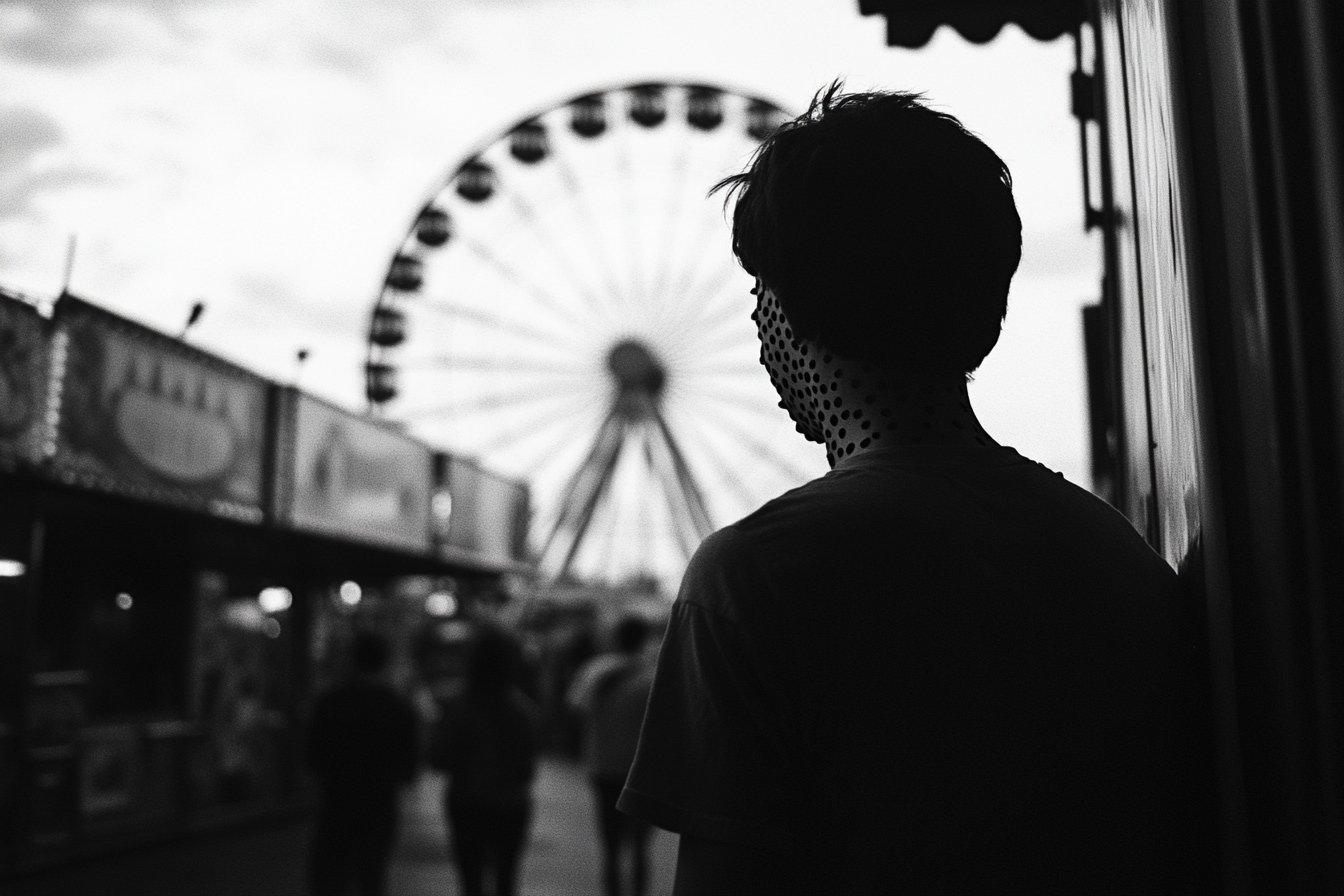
column 671, row 447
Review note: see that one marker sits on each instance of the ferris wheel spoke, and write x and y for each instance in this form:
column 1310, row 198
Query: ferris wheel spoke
column 710, row 230
column 709, row 348
column 485, row 318
column 681, row 168
column 680, row 294
column 763, row 449
column 741, row 404
column 536, row 425
column 504, row 363
column 528, row 213
column 707, row 326
column 511, row 274
column 716, row 289
column 602, row 255
column 729, row 477
column 494, row 401
column 735, row 369
column 632, row 235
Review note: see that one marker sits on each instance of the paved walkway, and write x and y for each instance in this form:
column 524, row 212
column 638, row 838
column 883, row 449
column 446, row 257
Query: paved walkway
column 562, row 858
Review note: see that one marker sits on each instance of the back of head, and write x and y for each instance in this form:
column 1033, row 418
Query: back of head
column 369, row 652
column 886, row 230
column 631, row 633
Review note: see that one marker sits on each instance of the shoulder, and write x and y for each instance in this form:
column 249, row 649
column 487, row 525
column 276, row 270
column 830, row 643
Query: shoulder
column 723, row 573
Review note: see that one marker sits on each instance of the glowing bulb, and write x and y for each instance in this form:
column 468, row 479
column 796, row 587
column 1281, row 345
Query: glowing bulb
column 441, row 505
column 10, row 569
column 124, row 601
column 273, row 600
column 440, row 603
column 351, row 593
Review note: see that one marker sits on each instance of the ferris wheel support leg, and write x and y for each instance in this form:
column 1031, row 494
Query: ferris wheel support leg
column 586, row 488
column 591, row 500
column 690, row 489
column 678, row 504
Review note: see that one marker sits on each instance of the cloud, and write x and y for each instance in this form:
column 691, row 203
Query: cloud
column 16, row 199
column 73, row 33
column 282, row 299
column 52, row 33
column 26, row 132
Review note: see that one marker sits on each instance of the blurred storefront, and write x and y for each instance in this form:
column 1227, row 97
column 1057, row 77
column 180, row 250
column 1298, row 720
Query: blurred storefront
column 185, row 548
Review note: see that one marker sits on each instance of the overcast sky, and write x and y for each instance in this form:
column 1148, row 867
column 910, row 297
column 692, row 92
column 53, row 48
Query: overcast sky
column 266, row 155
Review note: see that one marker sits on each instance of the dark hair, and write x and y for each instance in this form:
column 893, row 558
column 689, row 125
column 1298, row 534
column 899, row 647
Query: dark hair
column 496, row 659
column 369, row 651
column 631, row 633
column 886, row 229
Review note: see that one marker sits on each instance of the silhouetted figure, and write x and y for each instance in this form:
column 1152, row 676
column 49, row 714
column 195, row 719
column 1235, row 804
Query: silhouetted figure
column 941, row 667
column 487, row 743
column 363, row 745
column 610, row 691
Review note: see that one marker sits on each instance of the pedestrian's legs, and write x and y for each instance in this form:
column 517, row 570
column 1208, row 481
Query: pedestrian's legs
column 606, row 790
column 373, row 852
column 637, row 835
column 329, row 866
column 467, row 823
column 511, row 828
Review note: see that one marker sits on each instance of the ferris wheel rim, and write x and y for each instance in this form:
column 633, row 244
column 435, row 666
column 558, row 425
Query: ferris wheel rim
column 496, row 137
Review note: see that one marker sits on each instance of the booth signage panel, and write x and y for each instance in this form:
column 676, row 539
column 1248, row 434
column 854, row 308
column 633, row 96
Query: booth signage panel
column 352, row 477
column 486, row 514
column 498, row 520
column 24, row 362
column 144, row 415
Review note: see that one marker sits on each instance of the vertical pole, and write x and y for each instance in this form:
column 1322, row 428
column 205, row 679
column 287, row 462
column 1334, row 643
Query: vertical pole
column 69, row 263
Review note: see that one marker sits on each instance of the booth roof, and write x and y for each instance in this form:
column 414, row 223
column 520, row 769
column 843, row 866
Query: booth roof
column 910, row 23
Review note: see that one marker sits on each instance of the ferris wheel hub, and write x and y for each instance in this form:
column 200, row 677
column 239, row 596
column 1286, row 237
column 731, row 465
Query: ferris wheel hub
column 636, row 369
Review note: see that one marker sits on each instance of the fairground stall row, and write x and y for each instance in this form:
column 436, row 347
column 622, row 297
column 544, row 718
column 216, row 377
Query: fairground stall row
column 184, row 547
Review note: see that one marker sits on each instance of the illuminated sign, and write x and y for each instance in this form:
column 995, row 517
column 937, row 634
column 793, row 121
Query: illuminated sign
column 143, row 414
column 24, row 363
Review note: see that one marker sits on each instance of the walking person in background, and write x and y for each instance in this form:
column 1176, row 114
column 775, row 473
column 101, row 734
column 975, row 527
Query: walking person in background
column 610, row 691
column 487, row 742
column 363, row 746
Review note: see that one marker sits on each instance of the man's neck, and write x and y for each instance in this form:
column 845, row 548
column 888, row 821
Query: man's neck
column 863, row 409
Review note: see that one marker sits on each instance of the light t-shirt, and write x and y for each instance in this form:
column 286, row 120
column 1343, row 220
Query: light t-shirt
column 940, row 670
column 611, row 690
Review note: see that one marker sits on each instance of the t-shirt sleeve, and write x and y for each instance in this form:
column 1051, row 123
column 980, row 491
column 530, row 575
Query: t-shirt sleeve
column 718, row 743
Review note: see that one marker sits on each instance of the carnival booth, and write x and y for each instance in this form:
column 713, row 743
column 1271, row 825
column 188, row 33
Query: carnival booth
column 184, row 550
column 23, row 381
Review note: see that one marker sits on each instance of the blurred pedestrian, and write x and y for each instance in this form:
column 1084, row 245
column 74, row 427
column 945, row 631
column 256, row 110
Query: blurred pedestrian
column 610, row 691
column 363, row 745
column 487, row 742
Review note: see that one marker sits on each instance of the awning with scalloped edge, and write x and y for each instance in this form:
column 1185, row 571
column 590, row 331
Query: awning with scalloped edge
column 910, row 23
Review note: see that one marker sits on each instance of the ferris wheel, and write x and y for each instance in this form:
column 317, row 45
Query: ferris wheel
column 565, row 307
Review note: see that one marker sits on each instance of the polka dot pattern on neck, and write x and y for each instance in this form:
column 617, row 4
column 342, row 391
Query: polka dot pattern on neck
column 851, row 406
